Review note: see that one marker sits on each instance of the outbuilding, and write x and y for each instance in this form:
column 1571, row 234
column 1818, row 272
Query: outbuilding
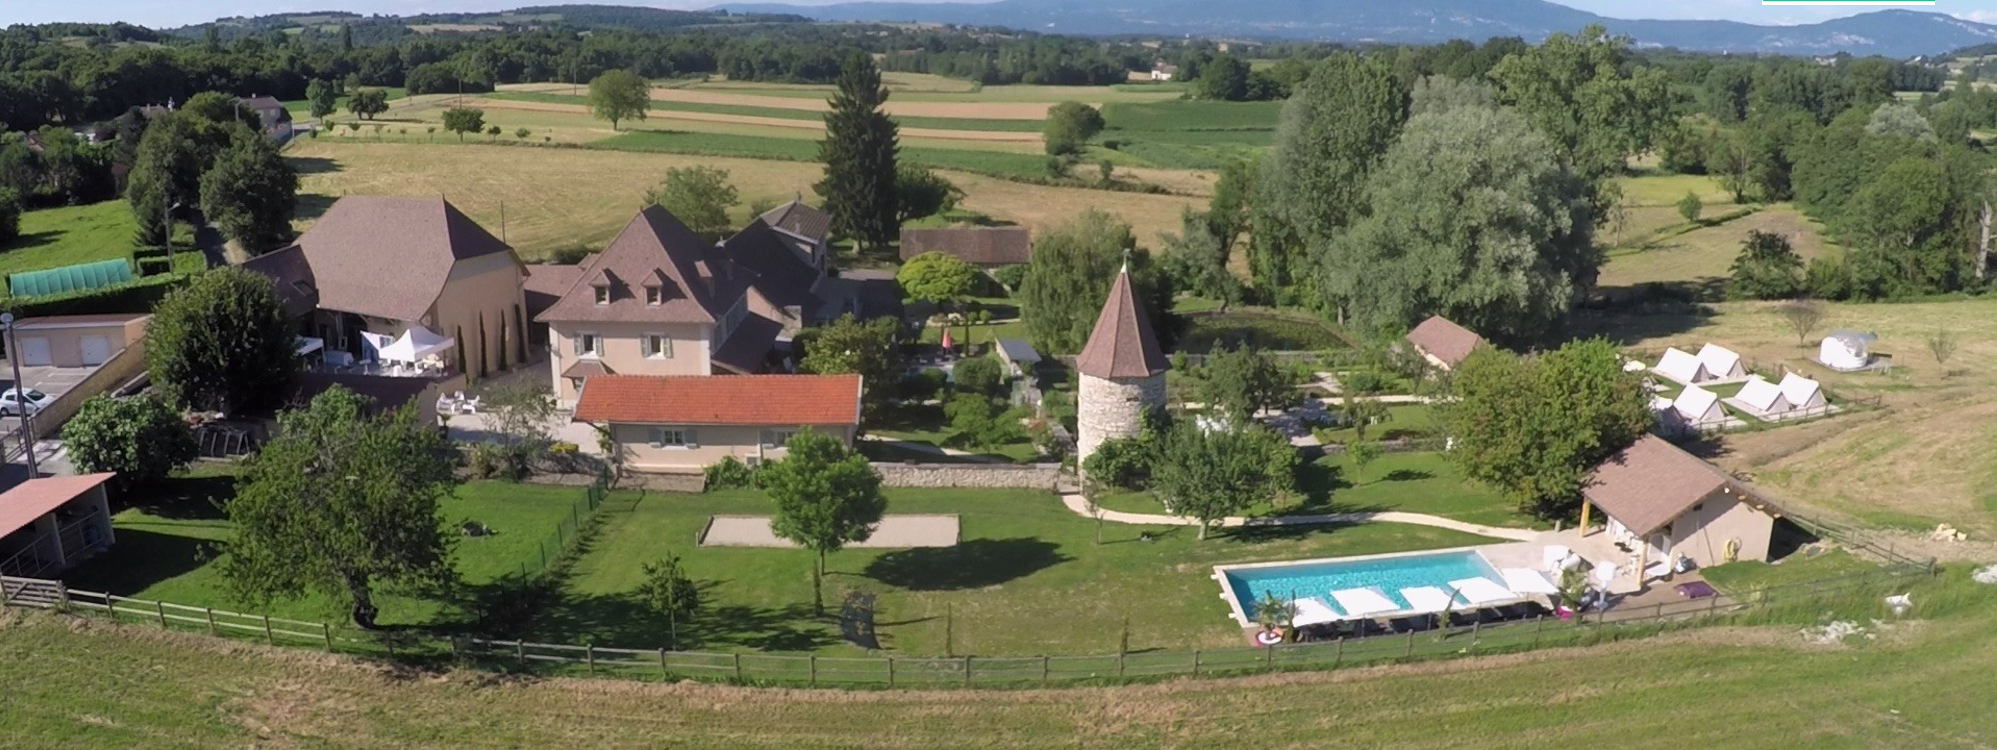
column 49, row 525
column 1663, row 503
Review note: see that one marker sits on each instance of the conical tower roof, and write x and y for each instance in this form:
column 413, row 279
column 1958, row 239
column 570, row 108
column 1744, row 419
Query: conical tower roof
column 1122, row 344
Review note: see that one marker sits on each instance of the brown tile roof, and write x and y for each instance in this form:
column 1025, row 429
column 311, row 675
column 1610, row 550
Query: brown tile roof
column 389, row 257
column 799, row 219
column 587, row 368
column 261, row 103
column 546, row 283
column 291, row 275
column 1122, row 344
column 383, row 391
column 1444, row 340
column 1651, row 483
column 983, row 246
column 34, row 498
column 723, row 400
column 747, row 349
column 698, row 283
column 780, row 274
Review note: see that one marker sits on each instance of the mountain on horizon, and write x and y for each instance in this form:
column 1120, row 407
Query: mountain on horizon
column 1889, row 33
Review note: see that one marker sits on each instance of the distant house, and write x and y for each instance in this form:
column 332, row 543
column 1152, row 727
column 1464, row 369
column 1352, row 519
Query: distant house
column 1163, row 71
column 51, row 524
column 683, row 424
column 276, row 119
column 378, row 267
column 984, row 247
column 1846, row 350
column 1664, row 503
column 1443, row 343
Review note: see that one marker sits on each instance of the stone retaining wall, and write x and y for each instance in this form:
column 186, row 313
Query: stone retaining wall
column 970, row 476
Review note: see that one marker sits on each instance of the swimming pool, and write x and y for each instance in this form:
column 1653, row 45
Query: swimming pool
column 1316, row 579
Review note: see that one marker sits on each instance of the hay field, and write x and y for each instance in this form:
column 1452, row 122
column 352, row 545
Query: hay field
column 1705, row 256
column 1027, row 142
column 558, row 197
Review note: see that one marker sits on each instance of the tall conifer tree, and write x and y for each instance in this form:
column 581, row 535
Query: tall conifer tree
column 859, row 152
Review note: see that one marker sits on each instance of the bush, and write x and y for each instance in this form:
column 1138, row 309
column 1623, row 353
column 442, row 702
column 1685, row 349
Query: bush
column 141, row 439
column 1362, row 381
column 1123, row 463
column 10, row 216
column 979, row 375
column 1010, row 276
column 1827, row 278
column 495, row 461
column 924, row 385
column 730, row 474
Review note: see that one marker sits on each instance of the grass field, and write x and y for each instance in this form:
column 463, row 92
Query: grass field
column 668, row 107
column 1005, row 163
column 554, row 198
column 1025, row 578
column 1703, row 258
column 165, row 548
column 1921, row 683
column 1206, row 330
column 54, row 237
column 1406, row 482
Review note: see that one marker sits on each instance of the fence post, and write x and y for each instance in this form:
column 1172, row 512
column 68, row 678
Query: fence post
column 812, row 661
column 456, row 654
column 62, row 593
column 1476, row 629
column 1119, row 663
column 1411, row 643
column 1044, row 668
column 160, row 607
column 738, row 666
column 1539, row 626
column 967, row 671
column 1269, row 658
column 520, row 652
column 211, row 619
column 1659, row 617
column 890, row 672
column 1196, row 662
column 1338, row 657
column 326, row 632
column 589, row 656
column 663, row 671
column 268, row 638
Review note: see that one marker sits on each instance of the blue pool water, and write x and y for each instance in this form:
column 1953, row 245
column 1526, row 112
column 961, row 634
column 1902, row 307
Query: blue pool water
column 1390, row 574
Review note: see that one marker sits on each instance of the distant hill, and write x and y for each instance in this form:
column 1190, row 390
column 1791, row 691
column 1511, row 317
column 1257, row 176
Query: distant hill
column 580, row 16
column 1891, row 33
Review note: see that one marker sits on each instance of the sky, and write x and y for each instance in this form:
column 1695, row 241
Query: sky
column 169, row 13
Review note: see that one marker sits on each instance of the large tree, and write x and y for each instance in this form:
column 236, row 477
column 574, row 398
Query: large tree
column 937, row 278
column 1580, row 91
column 848, row 346
column 699, row 196
column 141, row 439
column 367, row 102
column 1533, row 427
column 342, row 503
column 222, row 343
column 1332, row 132
column 1196, row 261
column 826, row 497
column 1069, row 277
column 1767, row 268
column 166, row 172
column 1210, row 474
column 1236, row 383
column 1225, row 79
column 859, row 151
column 1477, row 218
column 619, row 95
column 1069, row 127
column 250, row 192
column 321, row 98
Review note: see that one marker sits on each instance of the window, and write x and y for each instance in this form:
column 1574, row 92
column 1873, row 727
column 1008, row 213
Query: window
column 655, row 296
column 1698, row 507
column 589, row 344
column 777, row 438
column 658, row 345
column 672, row 437
column 603, row 295
column 576, row 383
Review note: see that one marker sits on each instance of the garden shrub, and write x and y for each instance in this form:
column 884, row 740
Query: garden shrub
column 730, row 474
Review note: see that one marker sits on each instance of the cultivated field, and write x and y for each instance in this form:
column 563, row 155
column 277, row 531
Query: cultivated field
column 1918, row 684
column 559, row 197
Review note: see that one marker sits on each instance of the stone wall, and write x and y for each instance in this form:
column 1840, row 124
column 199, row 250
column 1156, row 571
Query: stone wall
column 1108, row 409
column 970, row 476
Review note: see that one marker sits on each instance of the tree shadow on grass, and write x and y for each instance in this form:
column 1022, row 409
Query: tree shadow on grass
column 186, row 498
column 313, row 205
column 138, row 560
column 1261, row 533
column 972, row 564
column 305, row 165
column 31, row 239
column 623, row 620
column 1407, row 475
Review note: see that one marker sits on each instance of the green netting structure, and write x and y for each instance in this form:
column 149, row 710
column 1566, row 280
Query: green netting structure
column 70, row 278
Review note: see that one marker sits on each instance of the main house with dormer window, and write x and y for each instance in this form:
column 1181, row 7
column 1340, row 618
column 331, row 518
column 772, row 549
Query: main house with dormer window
column 659, row 300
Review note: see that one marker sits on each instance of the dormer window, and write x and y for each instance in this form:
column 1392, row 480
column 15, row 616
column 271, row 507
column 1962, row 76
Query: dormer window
column 603, row 294
column 655, row 296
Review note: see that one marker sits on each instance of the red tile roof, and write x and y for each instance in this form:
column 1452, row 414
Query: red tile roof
column 34, row 498
column 1122, row 344
column 721, row 400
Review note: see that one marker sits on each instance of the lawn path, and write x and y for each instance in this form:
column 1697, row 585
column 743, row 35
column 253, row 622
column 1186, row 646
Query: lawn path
column 1080, row 505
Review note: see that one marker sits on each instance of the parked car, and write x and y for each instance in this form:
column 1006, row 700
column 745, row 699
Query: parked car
column 14, row 402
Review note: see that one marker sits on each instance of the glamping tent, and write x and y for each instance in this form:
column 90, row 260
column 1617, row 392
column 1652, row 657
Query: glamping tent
column 1846, row 350
column 1721, row 363
column 1667, row 415
column 1802, row 392
column 1699, row 407
column 1679, row 365
column 1763, row 396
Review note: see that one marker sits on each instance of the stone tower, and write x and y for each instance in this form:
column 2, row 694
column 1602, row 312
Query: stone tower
column 1123, row 372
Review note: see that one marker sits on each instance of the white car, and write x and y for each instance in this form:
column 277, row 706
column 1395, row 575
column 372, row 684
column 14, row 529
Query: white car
column 14, row 402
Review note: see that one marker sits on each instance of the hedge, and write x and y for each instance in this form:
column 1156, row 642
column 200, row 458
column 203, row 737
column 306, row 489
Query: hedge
column 137, row 297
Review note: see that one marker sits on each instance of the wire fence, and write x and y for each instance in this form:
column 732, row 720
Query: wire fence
column 1788, row 602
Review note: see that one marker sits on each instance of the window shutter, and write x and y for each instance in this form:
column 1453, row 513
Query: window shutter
column 577, row 343
column 692, row 438
column 658, row 437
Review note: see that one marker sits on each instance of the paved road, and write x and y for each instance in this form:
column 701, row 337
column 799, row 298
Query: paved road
column 53, row 381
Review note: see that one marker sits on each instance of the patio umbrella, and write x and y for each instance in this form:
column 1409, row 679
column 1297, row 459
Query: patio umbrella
column 1483, row 591
column 309, row 345
column 1363, row 602
column 1427, row 599
column 1528, row 581
column 946, row 338
column 1312, row 612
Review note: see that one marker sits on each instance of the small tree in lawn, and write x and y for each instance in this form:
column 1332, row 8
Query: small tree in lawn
column 1942, row 345
column 222, row 343
column 1361, row 455
column 321, row 97
column 618, row 95
column 492, row 133
column 141, row 439
column 1362, row 412
column 341, row 503
column 1236, row 383
column 699, row 196
column 1209, row 475
column 1690, row 206
column 1802, row 318
column 462, row 120
column 826, row 497
column 670, row 594
column 522, row 133
column 366, row 103
column 944, row 280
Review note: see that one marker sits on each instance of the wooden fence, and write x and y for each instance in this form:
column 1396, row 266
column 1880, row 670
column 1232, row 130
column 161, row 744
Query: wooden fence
column 883, row 670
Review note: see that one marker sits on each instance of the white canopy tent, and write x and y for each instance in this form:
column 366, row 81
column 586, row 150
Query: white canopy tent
column 1312, row 612
column 1699, row 407
column 1720, row 362
column 1763, row 396
column 1528, row 581
column 1483, row 591
column 1678, row 364
column 1363, row 602
column 1802, row 392
column 305, row 345
column 416, row 344
column 1846, row 350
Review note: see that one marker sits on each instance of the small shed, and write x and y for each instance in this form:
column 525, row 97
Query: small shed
column 49, row 525
column 77, row 340
column 1678, row 364
column 1018, row 356
column 1846, row 350
column 1721, row 363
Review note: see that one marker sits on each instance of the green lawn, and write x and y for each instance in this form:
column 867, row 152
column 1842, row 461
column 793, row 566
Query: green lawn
column 1403, row 421
column 166, row 543
column 68, row 235
column 975, row 333
column 1407, row 482
column 1192, row 116
column 938, row 123
column 804, row 149
column 926, row 424
column 1288, row 332
column 301, row 110
column 1026, row 578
